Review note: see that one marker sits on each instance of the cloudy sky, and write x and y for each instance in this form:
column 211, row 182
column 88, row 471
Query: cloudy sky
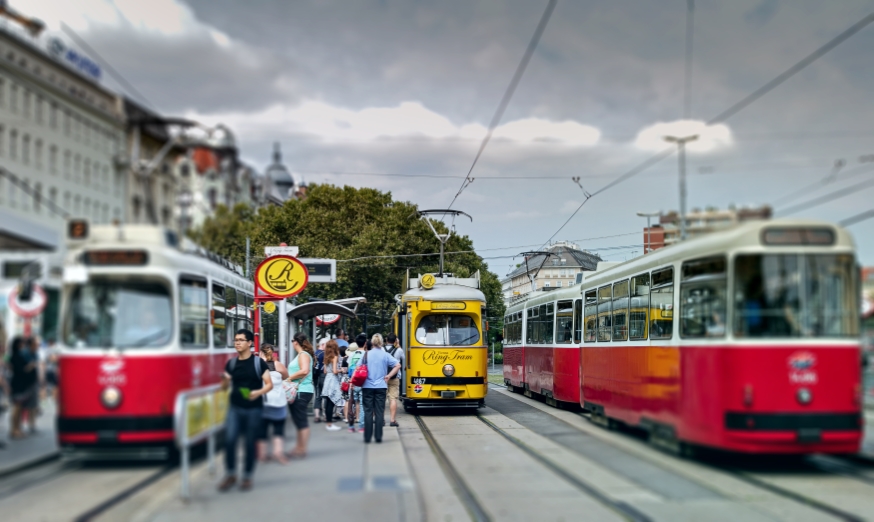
column 398, row 95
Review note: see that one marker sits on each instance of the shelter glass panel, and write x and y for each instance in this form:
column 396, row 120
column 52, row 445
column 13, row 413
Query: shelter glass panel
column 661, row 305
column 703, row 298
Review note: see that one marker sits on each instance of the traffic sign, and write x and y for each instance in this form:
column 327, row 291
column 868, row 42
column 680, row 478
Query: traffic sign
column 281, row 251
column 322, row 320
column 31, row 308
column 281, row 276
column 269, row 307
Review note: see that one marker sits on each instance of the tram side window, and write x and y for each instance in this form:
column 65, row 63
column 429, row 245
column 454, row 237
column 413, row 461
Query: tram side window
column 534, row 326
column 518, row 328
column 639, row 307
column 564, row 322
column 230, row 315
column 250, row 313
column 219, row 337
column 193, row 313
column 661, row 305
column 547, row 323
column 578, row 321
column 605, row 330
column 620, row 311
column 591, row 315
column 703, row 298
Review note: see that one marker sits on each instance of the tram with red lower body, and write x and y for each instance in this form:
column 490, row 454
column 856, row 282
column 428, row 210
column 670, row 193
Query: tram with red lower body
column 744, row 340
column 542, row 338
column 143, row 318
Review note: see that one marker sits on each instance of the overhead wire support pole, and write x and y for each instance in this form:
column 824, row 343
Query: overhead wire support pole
column 508, row 94
column 528, row 255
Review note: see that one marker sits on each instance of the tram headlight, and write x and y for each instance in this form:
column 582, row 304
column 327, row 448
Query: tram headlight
column 448, row 370
column 110, row 397
column 804, row 396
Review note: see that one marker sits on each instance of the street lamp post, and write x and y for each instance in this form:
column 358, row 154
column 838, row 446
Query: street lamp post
column 648, row 215
column 681, row 149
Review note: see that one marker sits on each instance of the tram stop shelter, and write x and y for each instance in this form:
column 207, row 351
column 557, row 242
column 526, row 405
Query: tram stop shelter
column 309, row 311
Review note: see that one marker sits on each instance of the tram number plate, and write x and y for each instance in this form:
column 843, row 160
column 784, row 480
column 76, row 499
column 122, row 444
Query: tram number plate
column 447, row 394
column 809, row 435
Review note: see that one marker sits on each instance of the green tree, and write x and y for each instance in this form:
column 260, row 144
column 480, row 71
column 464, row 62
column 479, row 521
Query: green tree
column 358, row 227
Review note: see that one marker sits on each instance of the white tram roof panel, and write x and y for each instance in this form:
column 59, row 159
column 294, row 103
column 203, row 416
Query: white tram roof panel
column 447, row 288
column 746, row 236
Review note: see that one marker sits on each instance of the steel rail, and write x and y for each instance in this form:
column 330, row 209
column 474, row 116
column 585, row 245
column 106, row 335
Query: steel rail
column 624, row 510
column 123, row 495
column 467, row 496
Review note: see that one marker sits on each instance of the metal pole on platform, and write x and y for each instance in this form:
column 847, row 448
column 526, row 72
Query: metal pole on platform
column 186, row 493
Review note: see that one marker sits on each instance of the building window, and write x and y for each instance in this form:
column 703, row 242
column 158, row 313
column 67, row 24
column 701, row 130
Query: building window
column 106, row 178
column 558, row 284
column 26, row 104
column 53, row 116
column 25, row 149
column 13, row 144
column 39, row 110
column 67, row 164
column 77, row 168
column 37, row 154
column 105, row 213
column 136, row 209
column 13, row 99
column 87, row 172
column 213, row 198
column 66, row 202
column 37, row 198
column 2, row 140
column 2, row 92
column 53, row 159
column 67, row 122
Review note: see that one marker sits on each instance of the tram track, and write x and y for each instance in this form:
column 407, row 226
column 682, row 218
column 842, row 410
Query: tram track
column 621, row 508
column 465, row 493
column 833, row 466
column 119, row 497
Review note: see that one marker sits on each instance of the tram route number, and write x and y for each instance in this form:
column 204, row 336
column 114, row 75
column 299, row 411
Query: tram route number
column 419, row 380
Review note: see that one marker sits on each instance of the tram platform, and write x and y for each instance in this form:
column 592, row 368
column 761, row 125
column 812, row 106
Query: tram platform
column 33, row 449
column 341, row 476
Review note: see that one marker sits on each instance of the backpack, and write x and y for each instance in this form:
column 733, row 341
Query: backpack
column 353, row 362
column 276, row 397
column 359, row 377
column 393, row 351
column 320, row 360
column 233, row 362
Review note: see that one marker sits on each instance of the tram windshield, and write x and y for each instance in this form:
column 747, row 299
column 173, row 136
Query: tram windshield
column 792, row 295
column 116, row 314
column 447, row 330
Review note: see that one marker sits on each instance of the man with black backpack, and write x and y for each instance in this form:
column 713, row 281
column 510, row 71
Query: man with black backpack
column 249, row 379
column 394, row 349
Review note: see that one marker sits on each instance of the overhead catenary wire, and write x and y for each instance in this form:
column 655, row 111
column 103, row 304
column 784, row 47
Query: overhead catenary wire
column 508, row 94
column 831, row 196
column 736, row 107
column 858, row 218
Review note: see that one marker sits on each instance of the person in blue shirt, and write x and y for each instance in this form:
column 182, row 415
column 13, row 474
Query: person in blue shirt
column 380, row 368
column 342, row 340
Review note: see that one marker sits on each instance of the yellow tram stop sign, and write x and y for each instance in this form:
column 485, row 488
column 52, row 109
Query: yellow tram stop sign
column 269, row 307
column 281, row 276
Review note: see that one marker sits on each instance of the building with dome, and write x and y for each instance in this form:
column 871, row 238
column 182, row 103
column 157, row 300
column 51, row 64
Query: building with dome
column 278, row 184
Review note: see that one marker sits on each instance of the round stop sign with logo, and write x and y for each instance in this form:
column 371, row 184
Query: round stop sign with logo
column 322, row 320
column 28, row 309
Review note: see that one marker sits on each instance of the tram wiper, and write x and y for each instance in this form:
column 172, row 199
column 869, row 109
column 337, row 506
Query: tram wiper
column 468, row 339
column 147, row 339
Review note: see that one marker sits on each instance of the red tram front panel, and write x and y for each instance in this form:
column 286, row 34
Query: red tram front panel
column 765, row 399
column 144, row 386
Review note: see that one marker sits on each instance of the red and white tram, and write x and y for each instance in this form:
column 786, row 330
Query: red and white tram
column 142, row 319
column 744, row 340
column 536, row 360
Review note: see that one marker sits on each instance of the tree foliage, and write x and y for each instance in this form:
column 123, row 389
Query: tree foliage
column 348, row 224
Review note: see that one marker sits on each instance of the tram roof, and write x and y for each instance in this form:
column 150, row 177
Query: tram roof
column 744, row 237
column 447, row 292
